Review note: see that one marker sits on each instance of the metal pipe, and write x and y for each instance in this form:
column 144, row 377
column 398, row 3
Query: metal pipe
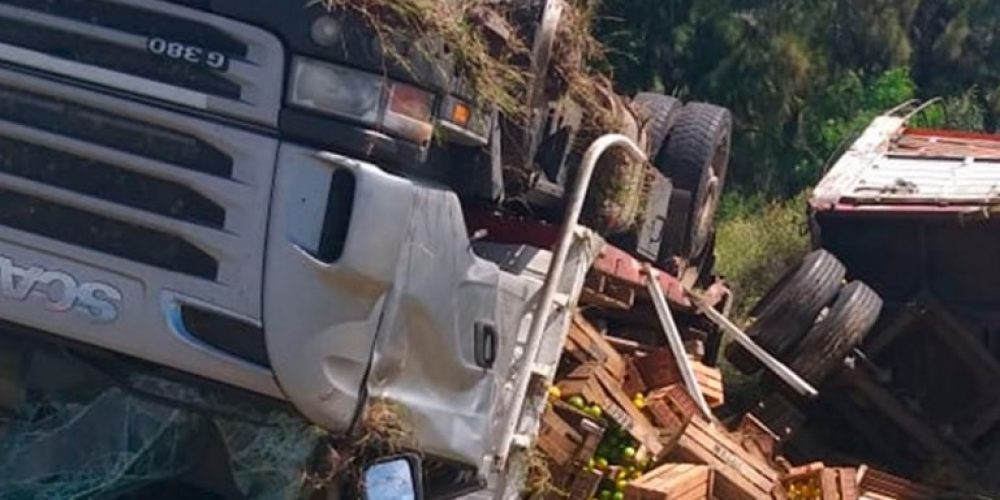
column 675, row 341
column 783, row 372
column 554, row 275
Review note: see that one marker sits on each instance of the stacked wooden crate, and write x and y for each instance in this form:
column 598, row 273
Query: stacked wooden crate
column 658, row 369
column 621, row 424
column 739, row 473
column 673, row 482
column 816, row 481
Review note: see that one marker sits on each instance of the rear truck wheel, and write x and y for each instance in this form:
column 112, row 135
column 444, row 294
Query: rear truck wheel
column 658, row 113
column 790, row 308
column 823, row 349
column 696, row 159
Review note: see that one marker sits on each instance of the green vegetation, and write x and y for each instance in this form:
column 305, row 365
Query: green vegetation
column 756, row 242
column 802, row 76
column 802, row 79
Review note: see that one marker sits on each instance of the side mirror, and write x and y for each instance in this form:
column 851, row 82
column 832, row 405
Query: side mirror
column 395, row 478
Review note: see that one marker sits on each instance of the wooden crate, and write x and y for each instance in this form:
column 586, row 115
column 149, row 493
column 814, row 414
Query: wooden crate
column 815, row 481
column 658, row 368
column 574, row 482
column 673, row 482
column 710, row 381
column 757, row 438
column 558, row 440
column 633, row 383
column 567, row 437
column 739, row 475
column 585, row 344
column 877, row 485
column 671, row 408
column 598, row 386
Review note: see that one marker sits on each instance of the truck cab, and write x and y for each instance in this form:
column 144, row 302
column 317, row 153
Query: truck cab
column 245, row 194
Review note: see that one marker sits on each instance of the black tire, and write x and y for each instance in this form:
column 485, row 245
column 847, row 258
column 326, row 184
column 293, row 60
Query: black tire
column 696, row 159
column 658, row 113
column 790, row 308
column 823, row 349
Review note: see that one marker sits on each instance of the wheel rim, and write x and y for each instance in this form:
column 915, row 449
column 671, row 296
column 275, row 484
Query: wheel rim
column 706, row 216
column 713, row 192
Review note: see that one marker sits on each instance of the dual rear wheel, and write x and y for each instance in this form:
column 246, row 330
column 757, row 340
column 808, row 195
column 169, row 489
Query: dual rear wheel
column 810, row 319
column 690, row 144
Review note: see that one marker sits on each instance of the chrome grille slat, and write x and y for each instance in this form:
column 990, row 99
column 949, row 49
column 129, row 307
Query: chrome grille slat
column 225, row 192
column 73, row 26
column 27, row 209
column 242, row 194
column 198, row 235
column 100, row 76
column 101, row 43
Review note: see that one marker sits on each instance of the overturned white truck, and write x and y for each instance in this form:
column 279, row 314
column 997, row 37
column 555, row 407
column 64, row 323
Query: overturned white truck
column 230, row 228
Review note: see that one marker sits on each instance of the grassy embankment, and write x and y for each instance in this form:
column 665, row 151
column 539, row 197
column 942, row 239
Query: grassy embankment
column 757, row 241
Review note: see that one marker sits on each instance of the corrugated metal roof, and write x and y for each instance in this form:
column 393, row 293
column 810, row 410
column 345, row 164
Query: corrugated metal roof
column 928, row 180
column 892, row 165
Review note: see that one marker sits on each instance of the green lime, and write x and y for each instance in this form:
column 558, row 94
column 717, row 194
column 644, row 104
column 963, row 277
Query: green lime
column 605, row 495
column 595, row 411
column 621, row 484
column 629, row 452
column 602, row 463
column 577, row 402
column 618, row 495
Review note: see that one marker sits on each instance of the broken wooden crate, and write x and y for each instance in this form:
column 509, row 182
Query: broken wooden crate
column 585, row 344
column 673, row 482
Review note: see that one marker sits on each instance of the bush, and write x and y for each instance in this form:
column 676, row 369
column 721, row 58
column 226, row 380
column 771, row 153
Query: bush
column 757, row 242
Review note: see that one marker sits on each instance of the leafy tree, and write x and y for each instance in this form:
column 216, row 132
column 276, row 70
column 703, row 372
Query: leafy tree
column 802, row 75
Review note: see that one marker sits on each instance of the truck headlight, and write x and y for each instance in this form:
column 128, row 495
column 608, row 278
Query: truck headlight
column 336, row 90
column 409, row 113
column 397, row 108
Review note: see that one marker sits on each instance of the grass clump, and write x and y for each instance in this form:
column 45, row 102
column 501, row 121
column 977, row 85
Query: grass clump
column 540, row 482
column 757, row 242
column 432, row 29
column 491, row 44
column 383, row 430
